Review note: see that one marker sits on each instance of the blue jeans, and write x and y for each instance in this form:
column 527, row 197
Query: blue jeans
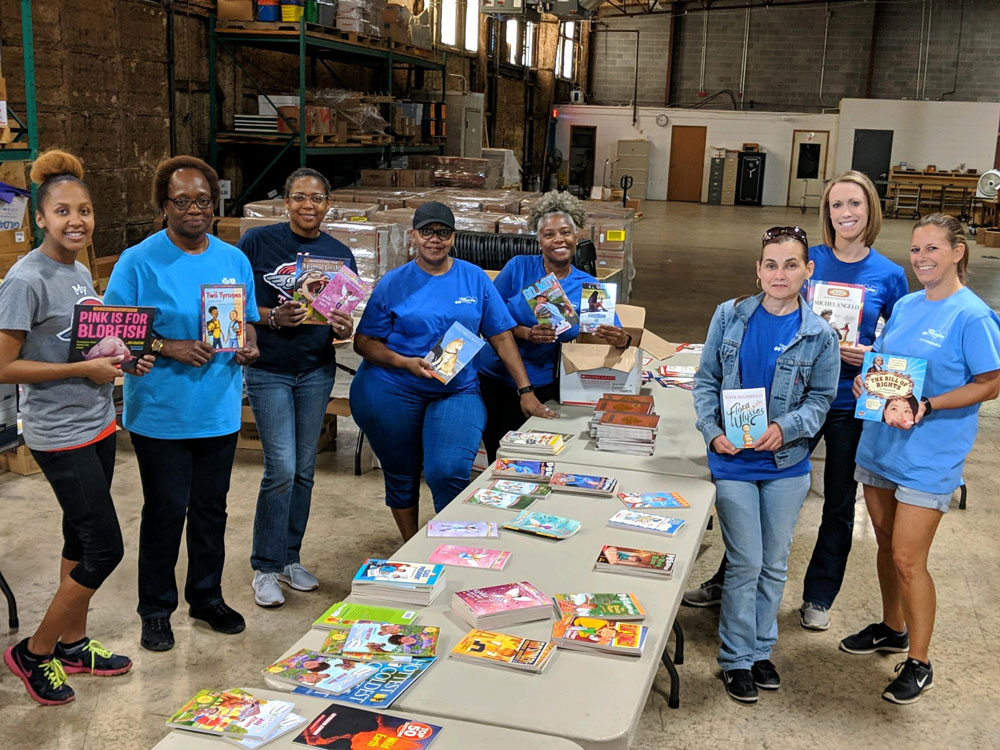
column 289, row 412
column 757, row 520
column 825, row 573
column 410, row 431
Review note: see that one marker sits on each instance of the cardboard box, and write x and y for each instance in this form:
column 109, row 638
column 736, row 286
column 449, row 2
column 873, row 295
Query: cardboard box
column 319, row 120
column 991, row 237
column 8, row 417
column 610, row 258
column 586, row 371
column 610, row 235
column 235, row 10
column 378, row 177
column 227, row 229
column 20, row 461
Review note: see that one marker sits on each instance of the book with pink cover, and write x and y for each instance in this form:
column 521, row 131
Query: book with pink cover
column 470, row 557
column 506, row 597
column 344, row 292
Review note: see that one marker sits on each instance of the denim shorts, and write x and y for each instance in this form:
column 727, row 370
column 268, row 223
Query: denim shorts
column 906, row 495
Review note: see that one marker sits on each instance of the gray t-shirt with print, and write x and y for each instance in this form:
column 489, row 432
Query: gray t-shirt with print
column 37, row 297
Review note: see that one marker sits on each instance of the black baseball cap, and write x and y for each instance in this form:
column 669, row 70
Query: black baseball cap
column 433, row 213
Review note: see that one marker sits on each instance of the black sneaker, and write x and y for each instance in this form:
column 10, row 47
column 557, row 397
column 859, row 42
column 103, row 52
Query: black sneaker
column 43, row 676
column 220, row 616
column 765, row 676
column 912, row 679
column 740, row 685
column 156, row 634
column 92, row 657
column 708, row 594
column 876, row 637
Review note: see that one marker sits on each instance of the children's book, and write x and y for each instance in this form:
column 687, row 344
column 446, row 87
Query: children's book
column 532, row 443
column 107, row 331
column 379, row 641
column 274, row 719
column 453, row 352
column 334, row 642
column 550, row 305
column 653, row 500
column 505, row 604
column 543, row 524
column 223, row 316
column 678, row 371
column 380, row 689
column 523, row 469
column 344, row 292
column 631, row 561
column 609, row 606
column 395, row 573
column 470, row 557
column 504, row 500
column 349, row 727
column 324, row 673
column 515, row 487
column 467, row 529
column 312, row 274
column 343, row 615
column 636, row 521
column 229, row 713
column 584, row 483
column 289, row 723
column 744, row 415
column 841, row 306
column 597, row 306
column 588, row 633
column 891, row 387
column 502, row 649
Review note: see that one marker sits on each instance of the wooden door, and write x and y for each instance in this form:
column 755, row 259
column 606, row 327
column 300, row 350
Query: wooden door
column 687, row 162
column 582, row 139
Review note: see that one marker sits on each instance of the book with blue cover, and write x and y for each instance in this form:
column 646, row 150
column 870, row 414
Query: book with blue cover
column 550, row 305
column 453, row 352
column 744, row 415
column 653, row 500
column 543, row 524
column 636, row 521
column 396, row 573
column 597, row 306
column 891, row 388
column 380, row 689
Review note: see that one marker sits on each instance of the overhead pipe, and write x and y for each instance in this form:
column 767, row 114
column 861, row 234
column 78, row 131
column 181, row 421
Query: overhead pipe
column 920, row 47
column 704, row 54
column 743, row 65
column 927, row 49
column 822, row 67
column 958, row 52
column 635, row 74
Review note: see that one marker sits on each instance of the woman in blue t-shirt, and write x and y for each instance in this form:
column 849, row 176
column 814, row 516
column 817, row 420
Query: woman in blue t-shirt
column 911, row 467
column 289, row 385
column 556, row 218
column 414, row 421
column 775, row 342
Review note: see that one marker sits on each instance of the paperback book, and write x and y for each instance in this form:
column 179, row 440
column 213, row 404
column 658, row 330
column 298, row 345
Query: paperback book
column 550, row 305
column 585, row 484
column 587, row 633
column 630, row 561
column 502, row 649
column 290, row 723
column 653, row 500
column 503, row 500
column 501, row 605
column 543, row 524
column 324, row 673
column 532, row 443
column 107, row 331
column 523, row 469
column 223, row 316
column 412, row 583
column 466, row 529
column 453, row 352
column 378, row 641
column 516, row 487
column 470, row 557
column 349, row 727
column 633, row 520
column 312, row 274
column 379, row 690
column 230, row 713
column 891, row 386
column 841, row 306
column 619, row 606
column 344, row 292
column 597, row 306
column 343, row 615
column 744, row 413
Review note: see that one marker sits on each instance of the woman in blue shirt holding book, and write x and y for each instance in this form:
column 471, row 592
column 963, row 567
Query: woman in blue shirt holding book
column 771, row 341
column 413, row 421
column 911, row 467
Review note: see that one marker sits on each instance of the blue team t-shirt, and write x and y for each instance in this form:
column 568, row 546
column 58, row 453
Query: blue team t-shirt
column 272, row 250
column 176, row 401
column 766, row 337
column 410, row 310
column 959, row 337
column 884, row 282
column 540, row 360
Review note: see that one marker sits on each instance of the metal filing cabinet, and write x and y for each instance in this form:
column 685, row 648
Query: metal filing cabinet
column 729, row 174
column 633, row 160
column 715, row 180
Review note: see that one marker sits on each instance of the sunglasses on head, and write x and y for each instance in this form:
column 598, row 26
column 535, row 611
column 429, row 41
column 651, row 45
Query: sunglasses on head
column 444, row 233
column 796, row 233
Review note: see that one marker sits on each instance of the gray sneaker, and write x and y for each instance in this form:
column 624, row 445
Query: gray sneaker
column 298, row 578
column 709, row 594
column 814, row 617
column 266, row 591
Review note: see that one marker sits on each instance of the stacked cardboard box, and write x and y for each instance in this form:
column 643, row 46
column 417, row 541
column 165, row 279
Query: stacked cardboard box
column 396, row 24
column 361, row 16
column 15, row 238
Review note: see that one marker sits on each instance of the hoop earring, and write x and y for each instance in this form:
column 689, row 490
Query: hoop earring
column 758, row 284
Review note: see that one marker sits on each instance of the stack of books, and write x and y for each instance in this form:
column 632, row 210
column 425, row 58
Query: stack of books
column 638, row 562
column 543, row 524
column 379, row 641
column 652, row 524
column 343, row 615
column 346, row 726
column 503, row 650
column 597, row 634
column 412, row 583
column 620, row 403
column 464, row 529
column 496, row 499
column 616, row 606
column 516, row 487
column 503, row 605
column 584, row 484
column 516, row 468
column 653, row 500
column 237, row 716
column 532, row 443
column 470, row 557
column 625, row 424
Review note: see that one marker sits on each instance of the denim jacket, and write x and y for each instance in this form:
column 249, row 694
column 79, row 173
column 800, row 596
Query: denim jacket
column 804, row 384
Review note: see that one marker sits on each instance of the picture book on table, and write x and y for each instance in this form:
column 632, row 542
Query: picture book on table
column 550, row 305
column 744, row 415
column 503, row 500
column 380, row 689
column 619, row 606
column 543, row 524
column 653, row 500
column 515, row 487
column 379, row 641
column 291, row 722
column 611, row 636
column 344, row 292
column 467, row 529
column 322, row 672
column 109, row 331
column 343, row 615
column 891, row 387
column 470, row 557
column 224, row 713
column 453, row 352
column 547, row 443
column 504, row 597
column 274, row 719
column 583, row 482
column 638, row 559
column 636, row 521
column 514, row 467
column 597, row 306
column 223, row 316
column 503, row 648
column 353, row 729
column 397, row 573
column 841, row 306
column 312, row 274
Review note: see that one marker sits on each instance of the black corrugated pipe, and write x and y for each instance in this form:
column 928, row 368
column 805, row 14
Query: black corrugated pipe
column 171, row 86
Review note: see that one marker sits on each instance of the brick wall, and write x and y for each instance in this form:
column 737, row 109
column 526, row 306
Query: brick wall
column 612, row 60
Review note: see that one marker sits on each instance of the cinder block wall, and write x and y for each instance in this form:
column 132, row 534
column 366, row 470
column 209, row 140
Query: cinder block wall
column 613, row 60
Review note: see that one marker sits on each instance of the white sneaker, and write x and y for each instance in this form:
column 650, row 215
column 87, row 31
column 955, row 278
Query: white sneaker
column 814, row 617
column 298, row 578
column 266, row 591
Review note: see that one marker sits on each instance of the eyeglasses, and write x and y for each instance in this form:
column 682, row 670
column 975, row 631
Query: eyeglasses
column 183, row 204
column 443, row 234
column 317, row 199
column 796, row 233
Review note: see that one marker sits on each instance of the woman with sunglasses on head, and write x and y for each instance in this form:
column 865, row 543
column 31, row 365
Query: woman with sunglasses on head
column 771, row 341
column 289, row 385
column 911, row 467
column 184, row 418
column 69, row 426
column 556, row 218
column 413, row 421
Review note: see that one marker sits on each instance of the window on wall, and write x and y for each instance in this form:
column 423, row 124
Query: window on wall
column 528, row 58
column 472, row 25
column 511, row 39
column 449, row 22
column 564, row 50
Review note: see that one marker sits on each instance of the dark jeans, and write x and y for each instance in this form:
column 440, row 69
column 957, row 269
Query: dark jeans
column 503, row 410
column 182, row 478
column 81, row 481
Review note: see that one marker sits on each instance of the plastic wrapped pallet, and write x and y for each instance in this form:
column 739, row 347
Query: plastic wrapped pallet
column 338, row 210
column 513, row 224
column 461, row 172
column 361, row 16
column 613, row 239
column 352, row 107
column 608, row 210
column 476, row 221
column 377, row 248
column 510, row 170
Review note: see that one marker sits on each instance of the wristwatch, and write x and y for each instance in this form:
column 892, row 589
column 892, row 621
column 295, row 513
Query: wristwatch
column 157, row 346
column 927, row 405
column 526, row 389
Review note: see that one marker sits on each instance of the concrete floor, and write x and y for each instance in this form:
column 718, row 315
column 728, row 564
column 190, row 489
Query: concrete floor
column 689, row 258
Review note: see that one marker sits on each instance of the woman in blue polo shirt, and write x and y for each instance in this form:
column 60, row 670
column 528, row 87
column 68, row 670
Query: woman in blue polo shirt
column 911, row 468
column 556, row 218
column 413, row 421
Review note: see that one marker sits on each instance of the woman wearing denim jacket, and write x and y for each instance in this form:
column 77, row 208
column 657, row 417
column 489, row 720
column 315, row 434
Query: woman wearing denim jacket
column 772, row 341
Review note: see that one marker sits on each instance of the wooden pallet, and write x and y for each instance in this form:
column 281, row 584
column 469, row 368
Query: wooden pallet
column 359, row 139
column 286, row 28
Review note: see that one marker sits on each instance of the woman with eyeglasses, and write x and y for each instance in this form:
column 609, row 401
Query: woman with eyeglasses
column 290, row 384
column 184, row 417
column 775, row 342
column 556, row 218
column 413, row 421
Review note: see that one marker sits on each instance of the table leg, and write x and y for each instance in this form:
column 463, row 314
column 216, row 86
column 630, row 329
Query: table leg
column 679, row 647
column 357, row 453
column 11, row 603
column 674, row 700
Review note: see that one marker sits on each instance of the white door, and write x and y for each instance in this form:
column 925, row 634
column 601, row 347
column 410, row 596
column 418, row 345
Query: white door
column 807, row 175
